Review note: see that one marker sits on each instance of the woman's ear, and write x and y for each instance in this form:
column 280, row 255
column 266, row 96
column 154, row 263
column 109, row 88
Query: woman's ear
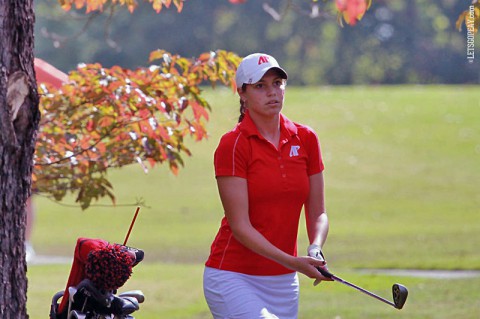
column 242, row 95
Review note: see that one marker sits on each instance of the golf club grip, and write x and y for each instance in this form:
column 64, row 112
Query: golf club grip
column 325, row 273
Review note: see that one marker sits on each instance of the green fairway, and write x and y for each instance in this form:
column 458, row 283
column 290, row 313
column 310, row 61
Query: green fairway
column 402, row 178
column 175, row 291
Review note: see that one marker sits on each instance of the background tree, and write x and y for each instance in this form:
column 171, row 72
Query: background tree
column 377, row 50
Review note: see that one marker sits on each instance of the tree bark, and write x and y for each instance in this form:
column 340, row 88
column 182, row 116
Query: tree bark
column 19, row 117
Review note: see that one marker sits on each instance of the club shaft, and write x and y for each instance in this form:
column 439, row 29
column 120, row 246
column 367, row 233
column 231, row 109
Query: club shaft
column 371, row 294
column 131, row 226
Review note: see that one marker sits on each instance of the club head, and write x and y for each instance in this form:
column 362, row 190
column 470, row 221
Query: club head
column 400, row 293
column 137, row 294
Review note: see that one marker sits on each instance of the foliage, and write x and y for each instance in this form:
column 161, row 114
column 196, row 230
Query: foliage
column 380, row 49
column 111, row 117
column 470, row 17
column 98, row 5
column 352, row 11
column 105, row 118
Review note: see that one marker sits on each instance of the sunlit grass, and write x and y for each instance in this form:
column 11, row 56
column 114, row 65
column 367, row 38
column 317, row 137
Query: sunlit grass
column 175, row 291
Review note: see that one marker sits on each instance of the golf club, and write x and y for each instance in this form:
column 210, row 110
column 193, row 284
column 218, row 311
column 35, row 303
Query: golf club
column 399, row 291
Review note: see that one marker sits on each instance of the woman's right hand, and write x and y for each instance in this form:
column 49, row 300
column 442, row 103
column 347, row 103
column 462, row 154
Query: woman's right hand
column 309, row 267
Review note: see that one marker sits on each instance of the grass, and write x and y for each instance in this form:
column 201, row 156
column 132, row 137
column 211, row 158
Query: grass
column 175, row 291
column 402, row 183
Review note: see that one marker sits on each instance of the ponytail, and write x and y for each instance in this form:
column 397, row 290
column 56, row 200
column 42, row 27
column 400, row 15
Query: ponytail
column 242, row 111
column 243, row 107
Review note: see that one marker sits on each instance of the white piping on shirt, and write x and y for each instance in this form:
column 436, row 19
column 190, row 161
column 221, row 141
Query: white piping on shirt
column 233, row 156
column 225, row 251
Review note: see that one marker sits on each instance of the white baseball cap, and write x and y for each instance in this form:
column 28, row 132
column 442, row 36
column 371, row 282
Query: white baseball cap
column 254, row 66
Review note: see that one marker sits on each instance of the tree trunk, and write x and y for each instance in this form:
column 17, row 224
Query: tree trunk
column 19, row 117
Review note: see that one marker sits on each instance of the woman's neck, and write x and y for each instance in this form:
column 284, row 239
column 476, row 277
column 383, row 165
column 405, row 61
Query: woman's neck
column 269, row 128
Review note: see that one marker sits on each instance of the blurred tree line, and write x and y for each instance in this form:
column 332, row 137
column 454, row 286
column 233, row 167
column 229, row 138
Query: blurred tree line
column 397, row 41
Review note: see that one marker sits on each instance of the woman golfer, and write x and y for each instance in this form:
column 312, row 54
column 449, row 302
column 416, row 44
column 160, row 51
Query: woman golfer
column 267, row 168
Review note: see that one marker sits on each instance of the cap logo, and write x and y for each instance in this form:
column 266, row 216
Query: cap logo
column 262, row 59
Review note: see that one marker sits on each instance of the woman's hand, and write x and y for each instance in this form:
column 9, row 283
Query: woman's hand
column 315, row 251
column 309, row 267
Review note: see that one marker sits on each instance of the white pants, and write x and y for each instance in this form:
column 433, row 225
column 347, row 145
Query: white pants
column 232, row 295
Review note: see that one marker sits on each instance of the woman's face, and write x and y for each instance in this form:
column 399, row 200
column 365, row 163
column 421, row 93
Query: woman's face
column 265, row 98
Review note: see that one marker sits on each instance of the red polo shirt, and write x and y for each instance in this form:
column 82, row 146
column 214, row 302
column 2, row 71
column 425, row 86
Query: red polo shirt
column 278, row 186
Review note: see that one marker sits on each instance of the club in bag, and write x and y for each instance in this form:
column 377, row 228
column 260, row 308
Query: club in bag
column 399, row 291
column 131, row 225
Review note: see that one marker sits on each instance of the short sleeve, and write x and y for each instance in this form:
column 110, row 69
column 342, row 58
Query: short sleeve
column 315, row 161
column 231, row 155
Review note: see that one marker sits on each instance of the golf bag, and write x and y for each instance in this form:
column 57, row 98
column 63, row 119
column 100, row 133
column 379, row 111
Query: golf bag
column 82, row 297
column 88, row 302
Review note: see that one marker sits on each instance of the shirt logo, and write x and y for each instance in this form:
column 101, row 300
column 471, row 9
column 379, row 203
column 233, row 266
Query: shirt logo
column 294, row 150
column 262, row 59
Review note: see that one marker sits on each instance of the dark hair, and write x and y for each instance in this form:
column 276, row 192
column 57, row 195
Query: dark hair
column 243, row 108
column 109, row 267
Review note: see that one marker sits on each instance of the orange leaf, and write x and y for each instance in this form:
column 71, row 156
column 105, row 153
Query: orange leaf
column 105, row 121
column 205, row 57
column 460, row 20
column 101, row 148
column 90, row 125
column 174, row 167
column 353, row 10
column 151, row 161
column 79, row 4
column 179, row 5
column 162, row 132
column 66, row 5
column 341, row 5
column 199, row 111
column 156, row 55
column 157, row 5
column 356, row 9
column 198, row 131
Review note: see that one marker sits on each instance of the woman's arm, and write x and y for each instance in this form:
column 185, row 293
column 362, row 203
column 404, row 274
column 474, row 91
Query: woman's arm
column 317, row 220
column 316, row 215
column 234, row 196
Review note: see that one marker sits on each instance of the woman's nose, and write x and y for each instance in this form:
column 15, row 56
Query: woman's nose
column 271, row 90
